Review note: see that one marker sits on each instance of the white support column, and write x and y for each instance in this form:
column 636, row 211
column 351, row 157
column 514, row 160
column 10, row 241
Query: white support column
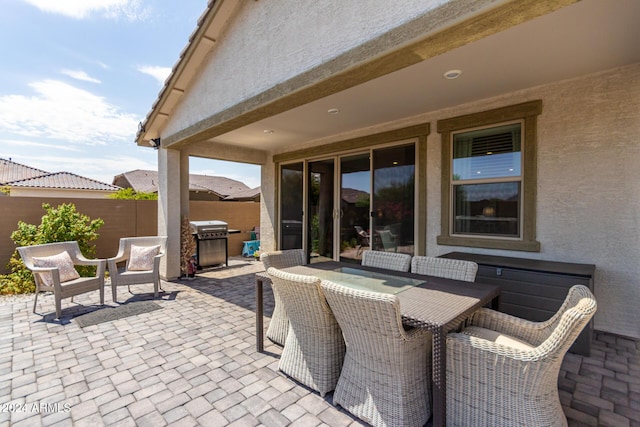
column 267, row 206
column 169, row 207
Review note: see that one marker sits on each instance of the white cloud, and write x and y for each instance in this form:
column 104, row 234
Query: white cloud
column 80, row 9
column 32, row 144
column 80, row 75
column 63, row 112
column 105, row 168
column 158, row 73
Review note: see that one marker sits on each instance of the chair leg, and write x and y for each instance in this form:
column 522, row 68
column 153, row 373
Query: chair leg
column 114, row 293
column 156, row 286
column 35, row 301
column 58, row 306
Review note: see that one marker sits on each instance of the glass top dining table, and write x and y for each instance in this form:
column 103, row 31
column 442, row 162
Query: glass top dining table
column 357, row 278
column 437, row 304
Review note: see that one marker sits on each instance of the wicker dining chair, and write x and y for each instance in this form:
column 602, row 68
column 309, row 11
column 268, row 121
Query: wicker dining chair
column 314, row 350
column 386, row 372
column 52, row 265
column 387, row 260
column 149, row 250
column 456, row 269
column 503, row 370
column 279, row 324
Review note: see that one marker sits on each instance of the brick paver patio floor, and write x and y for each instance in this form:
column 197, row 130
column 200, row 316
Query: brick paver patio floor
column 194, row 363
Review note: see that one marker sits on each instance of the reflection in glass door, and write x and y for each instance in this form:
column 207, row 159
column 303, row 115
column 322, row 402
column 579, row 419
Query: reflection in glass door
column 393, row 199
column 321, row 211
column 291, row 206
column 355, row 185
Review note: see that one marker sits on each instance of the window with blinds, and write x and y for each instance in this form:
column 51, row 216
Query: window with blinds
column 486, row 181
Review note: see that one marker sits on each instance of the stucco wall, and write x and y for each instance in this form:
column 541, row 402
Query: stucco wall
column 588, row 204
column 259, row 44
column 589, row 187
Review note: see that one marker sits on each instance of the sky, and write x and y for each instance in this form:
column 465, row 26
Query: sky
column 77, row 76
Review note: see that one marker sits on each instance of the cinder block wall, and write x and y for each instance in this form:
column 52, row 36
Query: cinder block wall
column 123, row 218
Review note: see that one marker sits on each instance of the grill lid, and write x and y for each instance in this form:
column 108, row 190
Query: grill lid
column 210, row 223
column 209, row 229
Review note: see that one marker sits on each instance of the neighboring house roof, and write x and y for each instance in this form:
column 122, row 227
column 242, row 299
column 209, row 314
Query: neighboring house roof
column 140, row 180
column 12, row 171
column 63, row 180
column 217, row 184
column 147, row 181
column 248, row 194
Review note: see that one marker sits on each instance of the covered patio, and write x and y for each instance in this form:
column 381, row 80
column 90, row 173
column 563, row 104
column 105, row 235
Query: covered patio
column 193, row 362
column 491, row 129
column 390, row 102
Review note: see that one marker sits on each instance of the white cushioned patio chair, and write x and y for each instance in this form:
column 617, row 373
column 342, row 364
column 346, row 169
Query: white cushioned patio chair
column 387, row 260
column 314, row 349
column 279, row 324
column 503, row 370
column 385, row 376
column 52, row 265
column 456, row 269
column 142, row 256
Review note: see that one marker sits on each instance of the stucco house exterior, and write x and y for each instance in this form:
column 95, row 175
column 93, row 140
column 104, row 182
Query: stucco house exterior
column 505, row 128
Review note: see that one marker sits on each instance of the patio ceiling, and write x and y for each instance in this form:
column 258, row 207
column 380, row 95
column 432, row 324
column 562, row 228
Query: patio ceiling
column 583, row 38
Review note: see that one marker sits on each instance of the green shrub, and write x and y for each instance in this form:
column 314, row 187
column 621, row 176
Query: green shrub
column 131, row 194
column 59, row 224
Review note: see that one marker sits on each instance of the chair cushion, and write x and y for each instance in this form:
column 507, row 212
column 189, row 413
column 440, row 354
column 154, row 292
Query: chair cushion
column 498, row 338
column 141, row 257
column 62, row 261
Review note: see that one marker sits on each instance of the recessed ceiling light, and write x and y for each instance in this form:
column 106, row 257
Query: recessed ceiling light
column 452, row 74
column 333, row 111
column 268, row 131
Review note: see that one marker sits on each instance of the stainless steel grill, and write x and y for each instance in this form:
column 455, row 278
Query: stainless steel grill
column 214, row 229
column 211, row 242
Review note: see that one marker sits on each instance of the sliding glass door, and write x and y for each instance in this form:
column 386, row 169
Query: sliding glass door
column 291, row 205
column 392, row 208
column 320, row 226
column 355, row 199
